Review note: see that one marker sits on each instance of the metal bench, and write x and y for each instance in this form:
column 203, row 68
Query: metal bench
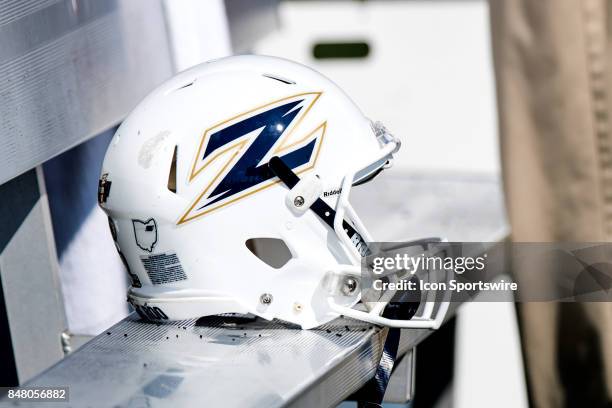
column 235, row 361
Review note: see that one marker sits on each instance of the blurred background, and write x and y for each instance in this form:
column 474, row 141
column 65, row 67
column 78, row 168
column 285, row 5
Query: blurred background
column 71, row 70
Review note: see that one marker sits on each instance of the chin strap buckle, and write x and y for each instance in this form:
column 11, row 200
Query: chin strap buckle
column 319, row 207
column 301, row 197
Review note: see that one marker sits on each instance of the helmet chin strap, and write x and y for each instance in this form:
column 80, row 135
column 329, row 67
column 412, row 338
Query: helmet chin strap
column 399, row 308
column 373, row 392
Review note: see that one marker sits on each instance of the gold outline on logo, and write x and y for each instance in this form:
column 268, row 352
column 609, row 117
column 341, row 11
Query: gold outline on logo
column 238, row 146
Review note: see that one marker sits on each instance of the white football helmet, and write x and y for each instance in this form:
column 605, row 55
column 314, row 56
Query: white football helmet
column 227, row 191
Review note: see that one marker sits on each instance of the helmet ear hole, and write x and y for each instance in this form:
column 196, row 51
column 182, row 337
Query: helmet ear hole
column 272, row 251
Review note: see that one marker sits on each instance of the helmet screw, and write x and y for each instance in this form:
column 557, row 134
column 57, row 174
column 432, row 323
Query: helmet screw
column 349, row 286
column 297, row 307
column 265, row 299
column 298, row 201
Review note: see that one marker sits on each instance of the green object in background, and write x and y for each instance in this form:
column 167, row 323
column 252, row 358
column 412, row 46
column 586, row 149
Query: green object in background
column 341, row 50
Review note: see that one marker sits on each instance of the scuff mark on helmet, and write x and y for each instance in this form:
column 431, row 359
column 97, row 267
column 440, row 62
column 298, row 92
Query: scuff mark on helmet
column 151, row 148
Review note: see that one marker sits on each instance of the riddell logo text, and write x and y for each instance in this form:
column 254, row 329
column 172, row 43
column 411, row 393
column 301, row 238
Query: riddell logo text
column 331, row 192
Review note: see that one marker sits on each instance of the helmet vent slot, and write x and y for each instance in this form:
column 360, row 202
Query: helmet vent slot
column 272, row 251
column 178, row 88
column 188, row 84
column 172, row 172
column 280, row 79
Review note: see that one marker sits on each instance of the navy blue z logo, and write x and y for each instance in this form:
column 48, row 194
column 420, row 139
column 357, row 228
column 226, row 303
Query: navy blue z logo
column 240, row 148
